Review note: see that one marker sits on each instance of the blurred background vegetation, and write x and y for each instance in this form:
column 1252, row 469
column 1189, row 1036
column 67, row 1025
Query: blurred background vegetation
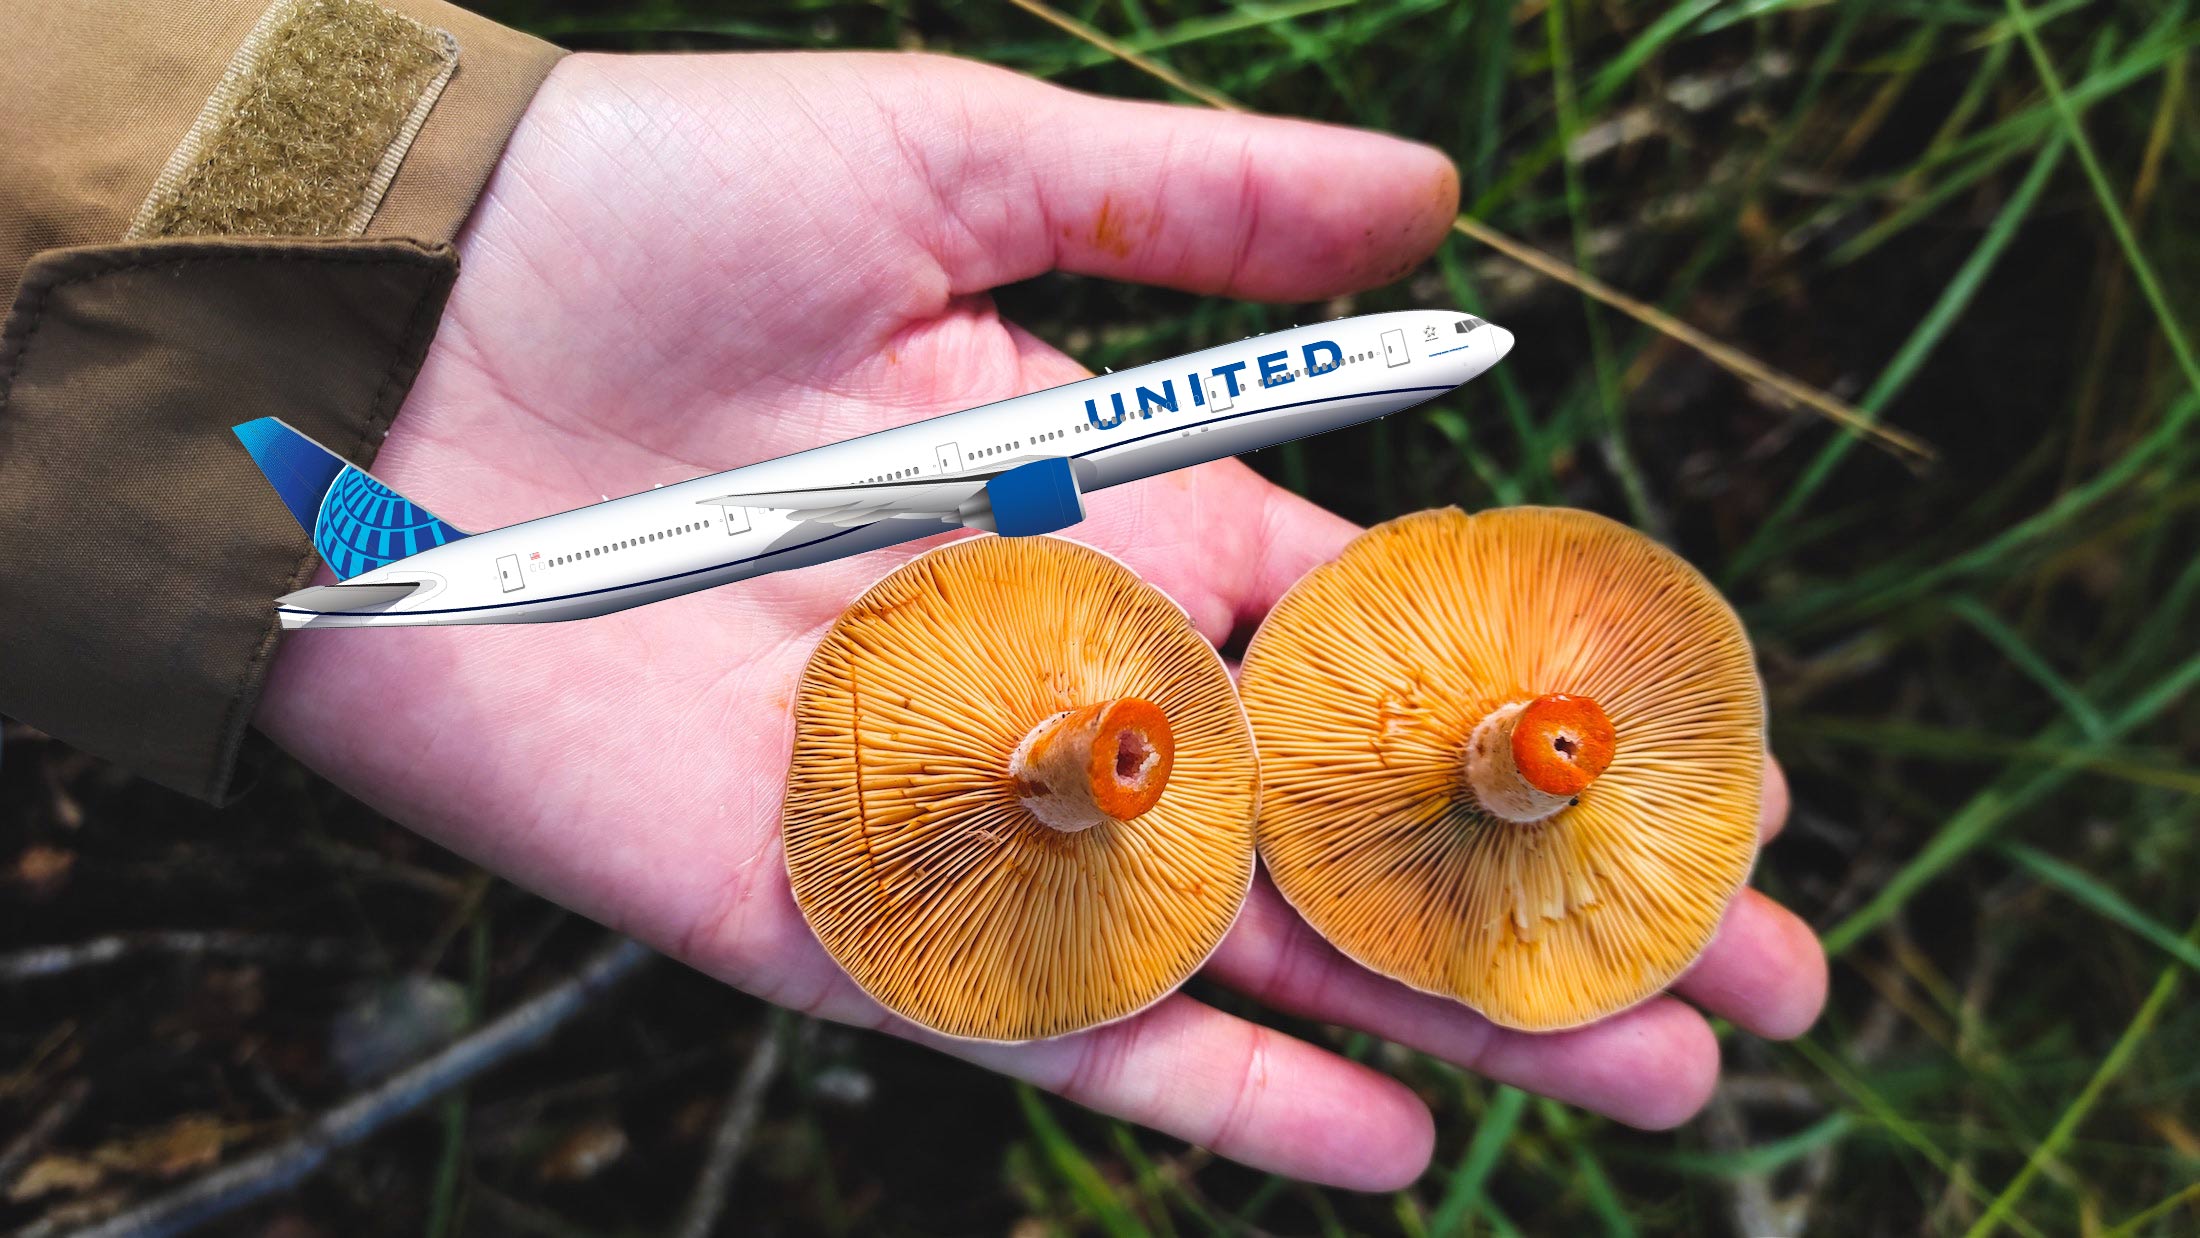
column 1970, row 219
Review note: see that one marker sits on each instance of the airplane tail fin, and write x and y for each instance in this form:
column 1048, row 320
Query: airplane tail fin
column 357, row 523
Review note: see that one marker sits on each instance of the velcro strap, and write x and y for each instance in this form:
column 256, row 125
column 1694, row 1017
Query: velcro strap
column 307, row 127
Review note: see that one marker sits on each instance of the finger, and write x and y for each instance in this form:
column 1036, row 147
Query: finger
column 1764, row 970
column 1033, row 177
column 1772, row 812
column 1241, row 1090
column 1652, row 1066
column 1183, row 1068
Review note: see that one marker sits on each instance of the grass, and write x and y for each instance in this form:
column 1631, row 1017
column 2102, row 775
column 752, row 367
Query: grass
column 1967, row 218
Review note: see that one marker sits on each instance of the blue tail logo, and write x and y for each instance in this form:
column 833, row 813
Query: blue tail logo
column 357, row 523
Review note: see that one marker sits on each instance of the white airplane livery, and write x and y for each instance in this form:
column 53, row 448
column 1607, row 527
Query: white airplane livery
column 1018, row 467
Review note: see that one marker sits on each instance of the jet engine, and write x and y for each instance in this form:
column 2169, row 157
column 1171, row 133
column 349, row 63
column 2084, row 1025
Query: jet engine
column 1030, row 499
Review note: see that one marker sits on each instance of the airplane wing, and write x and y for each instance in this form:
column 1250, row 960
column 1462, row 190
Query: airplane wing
column 1037, row 496
column 348, row 597
column 848, row 506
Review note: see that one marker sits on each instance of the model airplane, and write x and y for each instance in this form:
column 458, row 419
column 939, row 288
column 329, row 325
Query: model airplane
column 1018, row 467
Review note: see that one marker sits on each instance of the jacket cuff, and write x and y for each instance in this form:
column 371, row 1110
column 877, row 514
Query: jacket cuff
column 499, row 70
column 144, row 548
column 141, row 550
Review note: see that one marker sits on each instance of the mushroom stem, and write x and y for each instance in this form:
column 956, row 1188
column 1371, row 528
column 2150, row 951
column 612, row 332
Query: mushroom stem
column 1094, row 763
column 1528, row 759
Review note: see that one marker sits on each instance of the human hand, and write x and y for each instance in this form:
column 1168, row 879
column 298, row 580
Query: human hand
column 683, row 265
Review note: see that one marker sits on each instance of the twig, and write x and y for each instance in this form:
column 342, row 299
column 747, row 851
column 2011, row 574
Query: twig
column 42, row 1128
column 1756, row 1207
column 368, row 864
column 41, row 961
column 518, row 1217
column 278, row 1168
column 1903, row 446
column 712, row 1186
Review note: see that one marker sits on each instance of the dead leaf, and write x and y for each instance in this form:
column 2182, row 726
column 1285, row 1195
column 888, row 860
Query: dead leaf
column 191, row 1142
column 43, row 869
column 55, row 1173
column 2173, row 1132
column 583, row 1153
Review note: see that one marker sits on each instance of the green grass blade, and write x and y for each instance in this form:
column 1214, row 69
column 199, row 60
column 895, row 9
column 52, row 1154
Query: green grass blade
column 2107, row 903
column 2130, row 1226
column 1156, row 1187
column 1926, row 336
column 1938, row 743
column 1603, row 1199
column 1609, row 400
column 2141, row 269
column 1895, row 583
column 1077, row 1171
column 1596, row 1185
column 1463, row 1194
column 1768, row 1157
column 2026, row 659
column 1976, row 821
column 2165, row 986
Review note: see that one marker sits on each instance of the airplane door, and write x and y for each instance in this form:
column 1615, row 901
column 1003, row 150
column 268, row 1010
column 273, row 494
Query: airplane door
column 1394, row 348
column 950, row 457
column 508, row 573
column 1218, row 392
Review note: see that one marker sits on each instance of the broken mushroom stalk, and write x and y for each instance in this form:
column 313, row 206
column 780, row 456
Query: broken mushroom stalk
column 1096, row 763
column 1022, row 794
column 1512, row 758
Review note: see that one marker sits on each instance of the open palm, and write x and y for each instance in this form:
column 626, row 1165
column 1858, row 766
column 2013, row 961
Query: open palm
column 683, row 265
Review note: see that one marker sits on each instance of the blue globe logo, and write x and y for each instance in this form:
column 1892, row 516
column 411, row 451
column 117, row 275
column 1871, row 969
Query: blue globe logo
column 364, row 524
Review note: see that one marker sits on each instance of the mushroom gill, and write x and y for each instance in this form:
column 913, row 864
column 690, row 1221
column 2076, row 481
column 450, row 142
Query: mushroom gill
column 1022, row 793
column 1513, row 758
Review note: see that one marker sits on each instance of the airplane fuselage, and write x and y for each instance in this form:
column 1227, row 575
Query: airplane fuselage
column 1113, row 428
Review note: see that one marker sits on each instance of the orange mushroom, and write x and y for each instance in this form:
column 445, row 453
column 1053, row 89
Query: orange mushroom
column 1022, row 795
column 1512, row 758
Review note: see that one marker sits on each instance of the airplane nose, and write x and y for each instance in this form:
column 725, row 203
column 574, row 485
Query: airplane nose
column 1501, row 340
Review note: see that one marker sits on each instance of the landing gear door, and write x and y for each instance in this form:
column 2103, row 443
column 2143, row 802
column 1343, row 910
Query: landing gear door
column 1394, row 348
column 508, row 573
column 949, row 456
column 1218, row 392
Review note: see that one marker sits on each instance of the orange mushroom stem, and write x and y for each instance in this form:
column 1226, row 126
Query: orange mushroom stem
column 1096, row 763
column 1528, row 759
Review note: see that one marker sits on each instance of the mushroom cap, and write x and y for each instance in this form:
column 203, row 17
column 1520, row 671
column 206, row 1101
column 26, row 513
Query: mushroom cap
column 914, row 860
column 1367, row 679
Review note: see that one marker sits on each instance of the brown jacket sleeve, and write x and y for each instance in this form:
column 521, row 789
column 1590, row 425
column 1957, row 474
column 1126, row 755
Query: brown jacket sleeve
column 209, row 212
